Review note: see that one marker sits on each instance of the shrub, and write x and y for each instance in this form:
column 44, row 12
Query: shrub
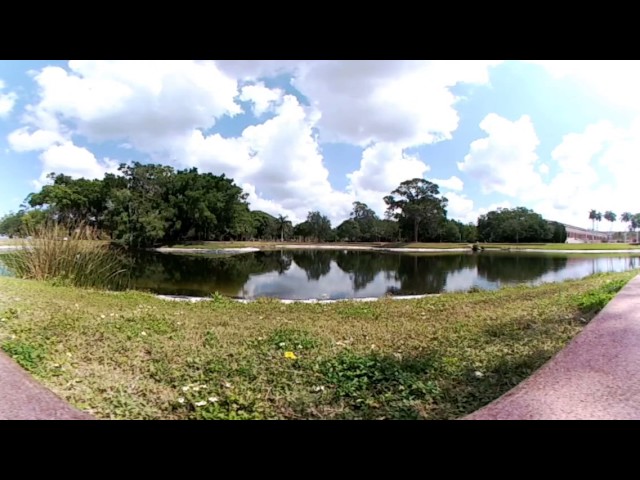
column 65, row 255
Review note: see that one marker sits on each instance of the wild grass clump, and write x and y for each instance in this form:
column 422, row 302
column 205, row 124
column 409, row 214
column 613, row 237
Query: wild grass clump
column 68, row 256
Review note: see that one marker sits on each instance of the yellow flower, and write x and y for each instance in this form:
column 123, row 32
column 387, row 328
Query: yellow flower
column 290, row 355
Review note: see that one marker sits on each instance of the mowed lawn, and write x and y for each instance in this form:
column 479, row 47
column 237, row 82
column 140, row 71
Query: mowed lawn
column 133, row 356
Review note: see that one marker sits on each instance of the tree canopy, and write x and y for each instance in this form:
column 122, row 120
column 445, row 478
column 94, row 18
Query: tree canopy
column 149, row 204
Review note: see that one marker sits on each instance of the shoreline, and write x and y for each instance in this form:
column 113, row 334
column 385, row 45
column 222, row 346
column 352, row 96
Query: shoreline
column 378, row 249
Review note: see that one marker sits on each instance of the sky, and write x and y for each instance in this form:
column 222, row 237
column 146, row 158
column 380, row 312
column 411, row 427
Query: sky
column 559, row 137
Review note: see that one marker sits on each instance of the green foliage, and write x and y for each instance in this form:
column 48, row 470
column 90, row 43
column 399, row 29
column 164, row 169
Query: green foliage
column 68, row 257
column 28, row 356
column 319, row 226
column 11, row 224
column 418, row 208
column 559, row 233
column 149, row 204
column 375, row 385
column 286, row 338
column 514, row 225
column 595, row 300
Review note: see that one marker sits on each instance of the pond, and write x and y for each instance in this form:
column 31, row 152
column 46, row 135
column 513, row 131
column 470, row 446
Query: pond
column 338, row 274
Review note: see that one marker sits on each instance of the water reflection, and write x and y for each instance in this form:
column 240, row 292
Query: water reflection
column 344, row 274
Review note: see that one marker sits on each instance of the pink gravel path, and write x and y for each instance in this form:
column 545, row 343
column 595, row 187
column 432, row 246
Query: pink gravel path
column 23, row 398
column 596, row 376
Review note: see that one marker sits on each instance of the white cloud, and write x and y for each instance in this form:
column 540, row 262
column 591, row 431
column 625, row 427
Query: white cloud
column 21, row 140
column 614, row 81
column 165, row 109
column 382, row 168
column 279, row 161
column 7, row 100
column 263, row 98
column 451, row 183
column 460, row 207
column 74, row 161
column 150, row 103
column 505, row 160
column 405, row 102
column 596, row 171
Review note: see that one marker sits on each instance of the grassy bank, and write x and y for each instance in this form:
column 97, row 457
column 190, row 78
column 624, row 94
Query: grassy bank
column 440, row 246
column 130, row 355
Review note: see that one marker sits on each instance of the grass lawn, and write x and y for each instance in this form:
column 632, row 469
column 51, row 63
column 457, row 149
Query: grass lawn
column 132, row 356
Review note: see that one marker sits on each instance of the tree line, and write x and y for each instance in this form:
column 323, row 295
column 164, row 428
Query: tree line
column 150, row 204
column 631, row 219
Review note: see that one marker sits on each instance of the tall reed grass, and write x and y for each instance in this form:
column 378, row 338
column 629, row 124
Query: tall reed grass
column 70, row 256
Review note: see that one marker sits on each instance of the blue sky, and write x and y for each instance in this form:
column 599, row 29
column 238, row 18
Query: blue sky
column 556, row 136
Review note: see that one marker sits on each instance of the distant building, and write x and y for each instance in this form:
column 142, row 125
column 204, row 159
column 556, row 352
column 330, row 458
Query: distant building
column 583, row 235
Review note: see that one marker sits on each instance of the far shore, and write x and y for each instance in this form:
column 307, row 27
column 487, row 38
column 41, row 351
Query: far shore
column 255, row 246
column 248, row 247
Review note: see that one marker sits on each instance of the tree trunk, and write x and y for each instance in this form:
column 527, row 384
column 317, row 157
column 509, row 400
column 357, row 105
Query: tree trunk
column 415, row 231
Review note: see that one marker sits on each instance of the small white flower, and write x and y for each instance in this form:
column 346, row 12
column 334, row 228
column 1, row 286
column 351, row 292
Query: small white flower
column 201, row 404
column 226, row 384
column 213, row 399
column 68, row 353
column 319, row 388
column 281, row 344
column 185, row 389
column 103, row 316
column 478, row 374
column 144, row 334
column 180, row 400
column 373, row 346
column 179, row 323
column 299, row 347
column 196, row 389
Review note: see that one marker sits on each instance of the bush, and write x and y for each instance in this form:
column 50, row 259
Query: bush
column 70, row 256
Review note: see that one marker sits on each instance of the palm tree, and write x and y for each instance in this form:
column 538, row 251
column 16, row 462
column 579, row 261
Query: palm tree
column 598, row 219
column 610, row 217
column 592, row 216
column 626, row 217
column 283, row 220
column 635, row 224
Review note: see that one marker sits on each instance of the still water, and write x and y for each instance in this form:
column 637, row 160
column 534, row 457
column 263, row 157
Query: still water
column 337, row 274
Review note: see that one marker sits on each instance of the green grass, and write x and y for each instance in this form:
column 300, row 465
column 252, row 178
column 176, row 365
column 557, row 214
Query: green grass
column 132, row 356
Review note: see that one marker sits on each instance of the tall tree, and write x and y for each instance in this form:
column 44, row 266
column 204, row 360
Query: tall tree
column 283, row 224
column 519, row 224
column 635, row 224
column 417, row 202
column 319, row 226
column 598, row 219
column 627, row 218
column 592, row 216
column 367, row 221
column 610, row 217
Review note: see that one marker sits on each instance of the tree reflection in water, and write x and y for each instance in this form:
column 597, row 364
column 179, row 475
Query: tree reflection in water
column 344, row 273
